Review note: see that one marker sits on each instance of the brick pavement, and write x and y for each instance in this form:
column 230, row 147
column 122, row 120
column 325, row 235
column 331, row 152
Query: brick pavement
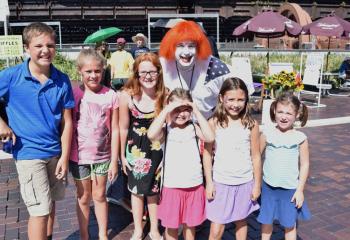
column 327, row 193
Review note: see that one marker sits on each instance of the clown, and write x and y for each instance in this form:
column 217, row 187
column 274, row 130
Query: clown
column 185, row 54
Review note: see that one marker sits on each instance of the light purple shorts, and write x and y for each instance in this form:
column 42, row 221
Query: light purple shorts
column 231, row 203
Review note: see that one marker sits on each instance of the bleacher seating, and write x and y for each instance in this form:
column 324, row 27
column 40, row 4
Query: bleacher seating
column 81, row 17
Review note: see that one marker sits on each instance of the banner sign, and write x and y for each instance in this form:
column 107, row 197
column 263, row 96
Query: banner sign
column 11, row 46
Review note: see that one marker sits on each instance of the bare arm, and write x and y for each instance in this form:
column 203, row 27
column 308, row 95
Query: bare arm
column 155, row 131
column 66, row 139
column 124, row 122
column 113, row 168
column 131, row 64
column 304, row 160
column 208, row 165
column 262, row 143
column 112, row 62
column 256, row 159
column 204, row 131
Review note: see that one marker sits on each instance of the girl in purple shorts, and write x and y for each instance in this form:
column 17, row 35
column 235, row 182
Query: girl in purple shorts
column 183, row 196
column 234, row 180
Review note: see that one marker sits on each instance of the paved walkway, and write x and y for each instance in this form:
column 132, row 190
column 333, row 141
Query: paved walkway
column 327, row 192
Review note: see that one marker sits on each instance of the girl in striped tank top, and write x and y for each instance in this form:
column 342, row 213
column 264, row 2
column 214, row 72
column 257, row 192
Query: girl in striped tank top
column 285, row 169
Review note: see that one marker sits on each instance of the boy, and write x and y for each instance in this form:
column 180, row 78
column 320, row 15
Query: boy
column 38, row 101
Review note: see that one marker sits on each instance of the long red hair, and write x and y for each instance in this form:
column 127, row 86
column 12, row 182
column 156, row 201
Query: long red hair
column 133, row 86
column 184, row 31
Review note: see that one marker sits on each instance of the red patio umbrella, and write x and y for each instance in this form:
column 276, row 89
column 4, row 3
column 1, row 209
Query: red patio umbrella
column 268, row 25
column 330, row 26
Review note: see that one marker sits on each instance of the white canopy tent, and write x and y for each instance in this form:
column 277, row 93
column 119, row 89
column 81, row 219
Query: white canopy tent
column 152, row 17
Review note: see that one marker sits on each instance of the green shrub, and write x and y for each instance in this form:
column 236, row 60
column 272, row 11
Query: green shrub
column 259, row 61
column 2, row 64
column 67, row 66
column 61, row 62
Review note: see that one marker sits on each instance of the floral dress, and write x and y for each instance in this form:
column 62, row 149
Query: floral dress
column 142, row 155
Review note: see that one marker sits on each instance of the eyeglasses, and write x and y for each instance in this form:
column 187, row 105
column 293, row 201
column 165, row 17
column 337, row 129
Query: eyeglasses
column 152, row 73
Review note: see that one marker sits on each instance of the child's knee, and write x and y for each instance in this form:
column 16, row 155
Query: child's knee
column 99, row 196
column 216, row 231
column 216, row 234
column 84, row 198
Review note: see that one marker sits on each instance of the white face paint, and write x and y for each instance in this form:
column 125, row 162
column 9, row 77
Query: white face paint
column 185, row 53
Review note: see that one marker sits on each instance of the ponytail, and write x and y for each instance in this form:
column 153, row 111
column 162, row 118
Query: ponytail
column 303, row 114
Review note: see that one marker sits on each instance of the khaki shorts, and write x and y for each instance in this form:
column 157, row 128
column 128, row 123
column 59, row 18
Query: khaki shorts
column 39, row 185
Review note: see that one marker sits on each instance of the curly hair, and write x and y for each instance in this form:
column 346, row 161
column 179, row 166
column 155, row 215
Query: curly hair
column 185, row 31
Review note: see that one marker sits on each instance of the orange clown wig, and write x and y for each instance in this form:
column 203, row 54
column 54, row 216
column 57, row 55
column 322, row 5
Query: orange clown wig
column 184, row 31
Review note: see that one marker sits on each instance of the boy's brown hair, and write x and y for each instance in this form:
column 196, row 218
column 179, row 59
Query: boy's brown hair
column 35, row 29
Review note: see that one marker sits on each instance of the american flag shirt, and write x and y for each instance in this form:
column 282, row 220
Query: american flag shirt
column 208, row 76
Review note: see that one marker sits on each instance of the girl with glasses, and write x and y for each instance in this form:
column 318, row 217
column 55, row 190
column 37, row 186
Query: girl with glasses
column 141, row 100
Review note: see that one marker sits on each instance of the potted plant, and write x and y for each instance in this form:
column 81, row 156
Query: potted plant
column 282, row 81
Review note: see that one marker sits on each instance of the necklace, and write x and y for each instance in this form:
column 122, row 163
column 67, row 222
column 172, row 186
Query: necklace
column 178, row 74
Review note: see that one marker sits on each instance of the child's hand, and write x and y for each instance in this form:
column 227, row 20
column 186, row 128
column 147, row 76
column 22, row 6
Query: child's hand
column 112, row 171
column 255, row 193
column 159, row 167
column 210, row 191
column 6, row 133
column 61, row 169
column 193, row 106
column 172, row 105
column 298, row 198
column 126, row 165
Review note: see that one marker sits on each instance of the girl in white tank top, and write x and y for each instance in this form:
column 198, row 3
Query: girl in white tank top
column 233, row 182
column 183, row 196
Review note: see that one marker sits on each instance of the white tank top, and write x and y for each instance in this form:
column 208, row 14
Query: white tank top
column 232, row 161
column 183, row 167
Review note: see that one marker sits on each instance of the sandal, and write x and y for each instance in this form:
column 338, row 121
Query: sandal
column 152, row 238
column 133, row 237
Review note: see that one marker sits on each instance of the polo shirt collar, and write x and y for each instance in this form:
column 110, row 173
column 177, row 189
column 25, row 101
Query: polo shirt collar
column 27, row 74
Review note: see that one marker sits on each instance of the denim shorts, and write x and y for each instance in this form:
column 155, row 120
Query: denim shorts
column 85, row 171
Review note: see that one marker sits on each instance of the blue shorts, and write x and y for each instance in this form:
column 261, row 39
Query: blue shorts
column 276, row 205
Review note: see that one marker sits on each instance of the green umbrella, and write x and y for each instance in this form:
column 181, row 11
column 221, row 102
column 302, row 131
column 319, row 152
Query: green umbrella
column 102, row 34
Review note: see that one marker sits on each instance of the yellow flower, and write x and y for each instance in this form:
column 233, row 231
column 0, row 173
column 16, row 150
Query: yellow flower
column 148, row 115
column 283, row 81
column 136, row 153
column 155, row 145
column 141, row 131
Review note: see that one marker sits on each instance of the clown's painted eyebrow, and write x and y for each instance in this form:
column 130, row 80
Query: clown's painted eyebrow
column 188, row 44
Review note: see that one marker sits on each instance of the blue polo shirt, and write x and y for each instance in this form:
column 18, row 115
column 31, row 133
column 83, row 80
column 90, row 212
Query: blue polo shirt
column 35, row 110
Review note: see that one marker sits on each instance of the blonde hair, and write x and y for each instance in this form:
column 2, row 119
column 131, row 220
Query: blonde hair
column 36, row 29
column 220, row 114
column 133, row 86
column 89, row 53
column 179, row 93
